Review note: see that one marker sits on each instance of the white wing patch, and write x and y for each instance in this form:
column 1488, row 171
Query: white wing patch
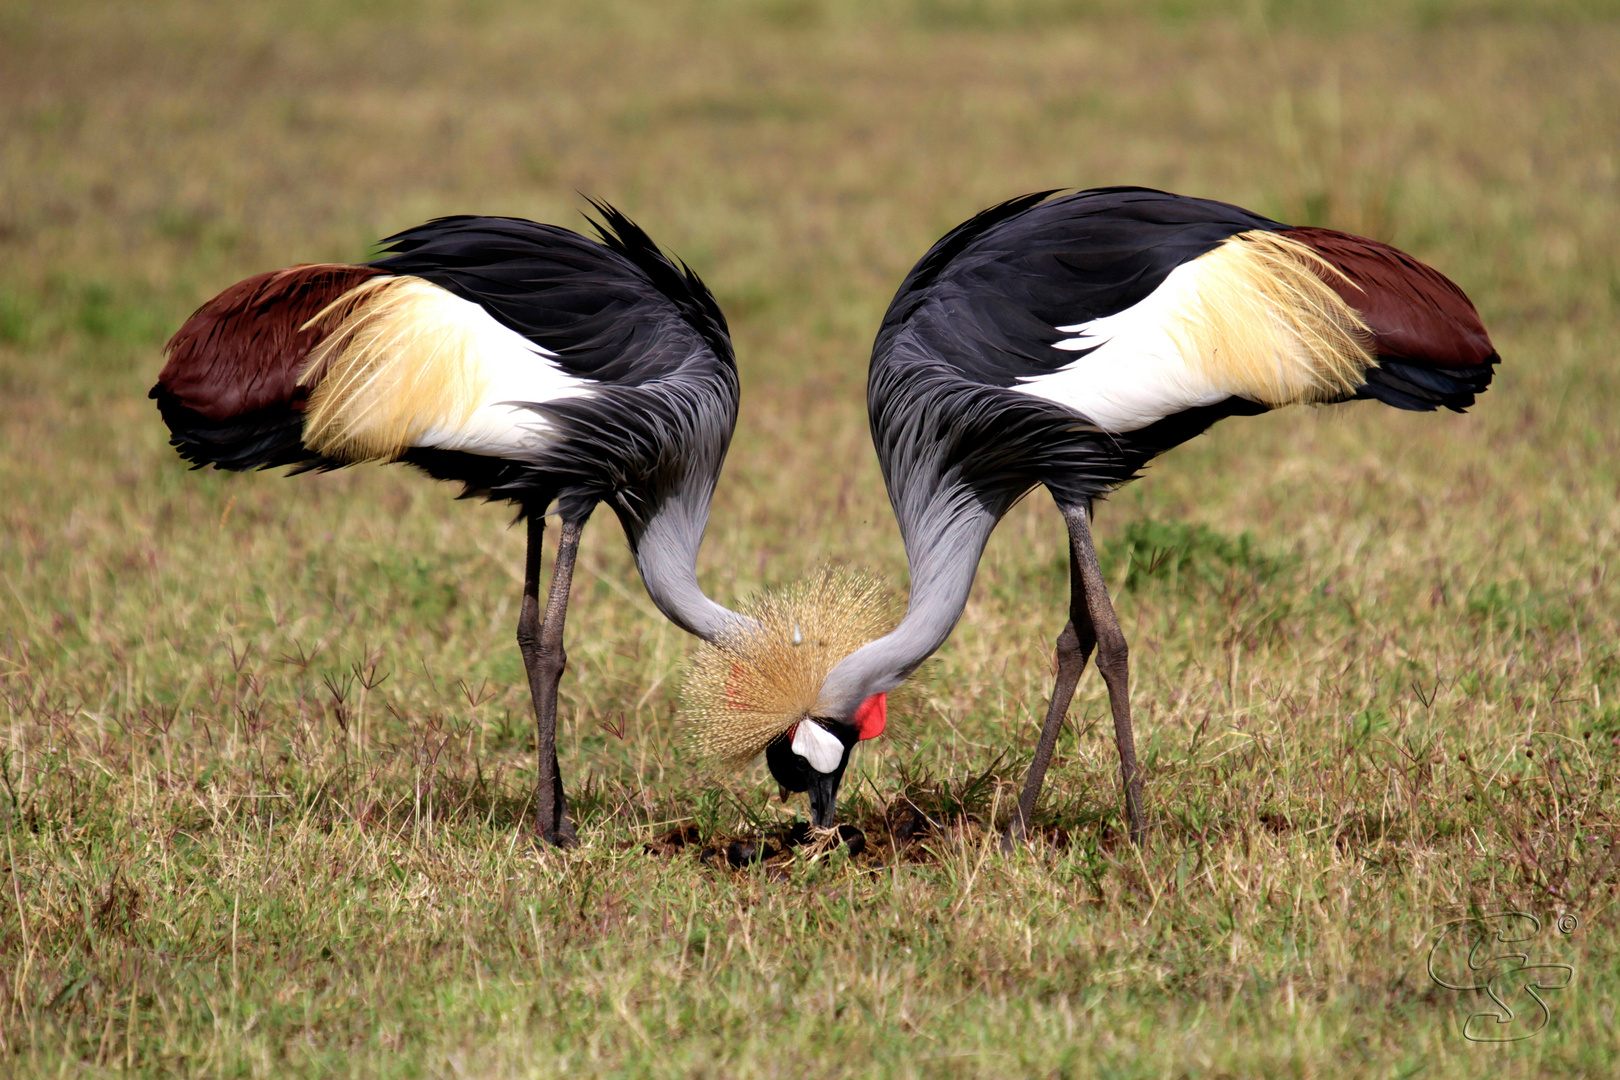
column 1252, row 318
column 406, row 363
column 818, row 746
column 1135, row 374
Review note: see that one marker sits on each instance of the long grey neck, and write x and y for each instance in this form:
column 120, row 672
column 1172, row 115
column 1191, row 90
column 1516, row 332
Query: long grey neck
column 666, row 550
column 943, row 546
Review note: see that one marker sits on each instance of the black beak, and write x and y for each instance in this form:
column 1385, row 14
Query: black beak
column 824, row 797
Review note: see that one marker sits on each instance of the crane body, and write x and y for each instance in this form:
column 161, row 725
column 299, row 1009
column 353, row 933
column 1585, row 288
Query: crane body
column 525, row 361
column 1065, row 342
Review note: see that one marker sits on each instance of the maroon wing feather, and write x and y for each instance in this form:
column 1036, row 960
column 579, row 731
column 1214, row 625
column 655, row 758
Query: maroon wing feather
column 243, row 350
column 1415, row 312
column 229, row 391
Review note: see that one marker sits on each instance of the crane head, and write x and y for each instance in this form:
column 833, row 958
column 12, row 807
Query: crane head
column 812, row 755
column 754, row 690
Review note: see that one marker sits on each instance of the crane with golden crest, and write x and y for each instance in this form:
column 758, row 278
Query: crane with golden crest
column 1064, row 341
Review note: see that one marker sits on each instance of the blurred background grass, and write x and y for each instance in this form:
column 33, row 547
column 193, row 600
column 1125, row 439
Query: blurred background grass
column 1375, row 661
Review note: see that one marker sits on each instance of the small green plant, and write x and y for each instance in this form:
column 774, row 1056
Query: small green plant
column 1186, row 554
column 16, row 320
column 1516, row 607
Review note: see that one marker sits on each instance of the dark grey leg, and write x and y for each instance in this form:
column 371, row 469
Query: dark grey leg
column 1074, row 646
column 541, row 642
column 1112, row 661
column 1092, row 622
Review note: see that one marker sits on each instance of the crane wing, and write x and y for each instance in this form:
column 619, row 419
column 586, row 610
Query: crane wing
column 989, row 297
column 464, row 339
column 1068, row 340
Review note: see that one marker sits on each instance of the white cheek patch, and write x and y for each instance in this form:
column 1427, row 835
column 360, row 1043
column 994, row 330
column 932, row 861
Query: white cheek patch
column 818, row 746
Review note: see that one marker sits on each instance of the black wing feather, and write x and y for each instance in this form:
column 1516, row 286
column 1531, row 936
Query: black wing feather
column 988, row 297
column 620, row 313
column 617, row 311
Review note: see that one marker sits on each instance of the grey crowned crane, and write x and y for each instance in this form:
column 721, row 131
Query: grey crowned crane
column 525, row 361
column 1066, row 342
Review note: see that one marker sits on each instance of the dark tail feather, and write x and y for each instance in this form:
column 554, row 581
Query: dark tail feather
column 1425, row 389
column 229, row 392
column 261, row 439
column 1433, row 351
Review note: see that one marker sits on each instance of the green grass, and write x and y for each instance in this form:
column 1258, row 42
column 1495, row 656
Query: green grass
column 264, row 747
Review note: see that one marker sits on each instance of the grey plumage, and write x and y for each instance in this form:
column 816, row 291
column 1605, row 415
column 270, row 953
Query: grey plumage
column 651, row 437
column 958, row 447
column 943, row 550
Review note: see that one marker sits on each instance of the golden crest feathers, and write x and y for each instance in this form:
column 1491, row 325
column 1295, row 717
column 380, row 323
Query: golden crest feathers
column 747, row 688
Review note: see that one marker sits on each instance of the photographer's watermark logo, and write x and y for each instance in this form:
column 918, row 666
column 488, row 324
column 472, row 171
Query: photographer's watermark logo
column 1492, row 953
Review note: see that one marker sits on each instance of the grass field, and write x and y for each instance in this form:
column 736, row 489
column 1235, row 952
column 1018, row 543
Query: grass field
column 266, row 752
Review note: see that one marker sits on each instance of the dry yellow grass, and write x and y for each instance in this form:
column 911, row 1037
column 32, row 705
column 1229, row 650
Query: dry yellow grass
column 265, row 741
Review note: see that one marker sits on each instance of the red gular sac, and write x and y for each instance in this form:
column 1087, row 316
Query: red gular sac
column 870, row 718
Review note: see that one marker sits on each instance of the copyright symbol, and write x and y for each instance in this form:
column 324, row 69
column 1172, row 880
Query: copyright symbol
column 1567, row 923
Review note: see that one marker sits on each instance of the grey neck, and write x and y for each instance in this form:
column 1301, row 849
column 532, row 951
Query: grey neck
column 666, row 549
column 943, row 546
